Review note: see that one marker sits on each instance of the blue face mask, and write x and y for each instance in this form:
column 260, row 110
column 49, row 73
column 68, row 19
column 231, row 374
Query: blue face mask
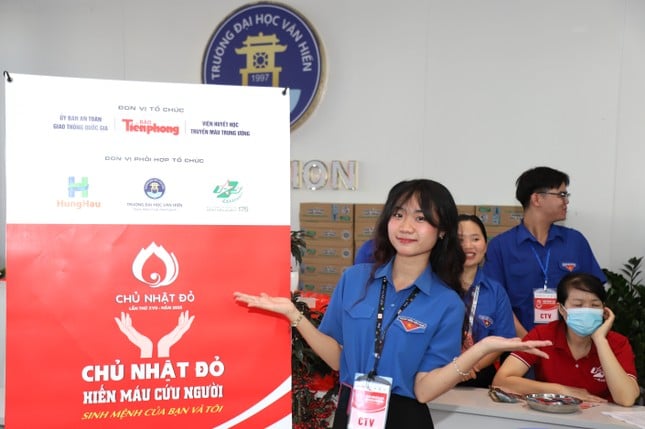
column 584, row 320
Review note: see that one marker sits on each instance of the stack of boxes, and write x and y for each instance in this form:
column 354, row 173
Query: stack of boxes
column 365, row 218
column 329, row 234
column 498, row 219
column 335, row 231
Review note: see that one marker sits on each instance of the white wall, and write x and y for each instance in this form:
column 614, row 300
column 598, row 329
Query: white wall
column 467, row 92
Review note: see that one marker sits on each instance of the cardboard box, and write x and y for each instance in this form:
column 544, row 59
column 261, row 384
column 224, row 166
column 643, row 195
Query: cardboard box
column 364, row 231
column 327, row 212
column 323, row 267
column 466, row 209
column 500, row 215
column 493, row 230
column 321, row 283
column 367, row 212
column 327, row 289
column 327, row 250
column 345, row 262
column 328, row 231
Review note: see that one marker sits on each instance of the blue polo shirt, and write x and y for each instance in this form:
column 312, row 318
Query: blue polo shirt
column 516, row 259
column 493, row 313
column 425, row 336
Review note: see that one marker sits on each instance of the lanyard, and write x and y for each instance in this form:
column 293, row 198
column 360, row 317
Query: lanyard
column 544, row 267
column 473, row 307
column 379, row 336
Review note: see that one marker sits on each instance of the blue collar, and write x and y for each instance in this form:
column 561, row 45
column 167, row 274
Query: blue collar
column 478, row 277
column 423, row 282
column 523, row 234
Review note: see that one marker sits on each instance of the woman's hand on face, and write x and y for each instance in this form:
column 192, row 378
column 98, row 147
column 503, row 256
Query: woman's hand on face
column 604, row 329
column 263, row 301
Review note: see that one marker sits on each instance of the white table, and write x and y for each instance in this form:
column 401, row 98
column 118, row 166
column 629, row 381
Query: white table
column 472, row 408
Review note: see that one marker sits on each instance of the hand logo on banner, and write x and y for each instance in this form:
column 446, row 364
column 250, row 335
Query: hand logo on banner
column 145, row 344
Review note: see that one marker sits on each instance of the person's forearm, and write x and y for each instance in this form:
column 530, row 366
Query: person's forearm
column 524, row 386
column 624, row 389
column 487, row 360
column 326, row 347
column 430, row 385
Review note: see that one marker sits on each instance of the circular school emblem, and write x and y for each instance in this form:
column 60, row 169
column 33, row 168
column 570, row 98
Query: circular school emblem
column 154, row 188
column 268, row 44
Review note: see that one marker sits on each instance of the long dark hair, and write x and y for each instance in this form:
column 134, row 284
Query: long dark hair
column 476, row 220
column 438, row 207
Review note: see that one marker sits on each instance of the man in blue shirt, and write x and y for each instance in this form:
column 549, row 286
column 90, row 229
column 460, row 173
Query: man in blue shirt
column 365, row 253
column 536, row 254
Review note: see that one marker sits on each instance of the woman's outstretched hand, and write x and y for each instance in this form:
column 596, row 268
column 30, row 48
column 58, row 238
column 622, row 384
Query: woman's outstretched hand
column 500, row 344
column 263, row 301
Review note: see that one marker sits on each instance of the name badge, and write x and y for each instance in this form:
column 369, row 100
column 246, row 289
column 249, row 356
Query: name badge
column 369, row 402
column 545, row 305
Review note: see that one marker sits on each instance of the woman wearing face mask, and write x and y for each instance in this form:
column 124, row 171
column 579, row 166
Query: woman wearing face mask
column 587, row 359
column 488, row 309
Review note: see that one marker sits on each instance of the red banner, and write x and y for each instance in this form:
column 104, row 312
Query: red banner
column 77, row 308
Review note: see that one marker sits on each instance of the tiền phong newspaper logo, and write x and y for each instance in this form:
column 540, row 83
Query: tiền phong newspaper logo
column 147, row 126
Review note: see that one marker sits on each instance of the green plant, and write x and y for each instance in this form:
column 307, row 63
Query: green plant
column 626, row 298
column 298, row 245
column 310, row 410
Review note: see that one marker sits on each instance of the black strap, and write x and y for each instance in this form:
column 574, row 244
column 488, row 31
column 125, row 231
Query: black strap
column 379, row 336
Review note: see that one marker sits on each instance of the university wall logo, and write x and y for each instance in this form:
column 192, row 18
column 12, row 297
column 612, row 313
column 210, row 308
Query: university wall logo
column 268, row 44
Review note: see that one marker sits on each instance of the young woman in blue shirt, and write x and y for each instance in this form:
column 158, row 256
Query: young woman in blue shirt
column 411, row 289
column 488, row 309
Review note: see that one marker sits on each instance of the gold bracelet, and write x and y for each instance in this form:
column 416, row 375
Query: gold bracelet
column 294, row 324
column 459, row 371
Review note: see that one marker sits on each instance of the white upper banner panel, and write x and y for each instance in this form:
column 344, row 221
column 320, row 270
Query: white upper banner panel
column 89, row 151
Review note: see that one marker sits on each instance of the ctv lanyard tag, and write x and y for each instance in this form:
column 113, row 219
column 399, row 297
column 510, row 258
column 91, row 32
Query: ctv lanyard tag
column 545, row 305
column 369, row 402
